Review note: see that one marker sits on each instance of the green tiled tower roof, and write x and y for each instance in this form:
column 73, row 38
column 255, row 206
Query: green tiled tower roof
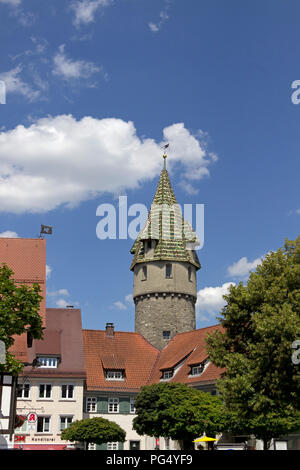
column 174, row 237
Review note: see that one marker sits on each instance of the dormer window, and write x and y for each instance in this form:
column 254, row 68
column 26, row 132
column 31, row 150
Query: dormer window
column 48, row 362
column 114, row 375
column 198, row 369
column 168, row 374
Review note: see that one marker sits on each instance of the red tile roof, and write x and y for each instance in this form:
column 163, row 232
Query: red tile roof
column 27, row 258
column 124, row 350
column 143, row 363
column 189, row 349
column 62, row 337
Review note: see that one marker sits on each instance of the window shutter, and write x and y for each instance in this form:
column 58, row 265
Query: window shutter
column 101, row 446
column 102, row 405
column 121, row 445
column 124, row 405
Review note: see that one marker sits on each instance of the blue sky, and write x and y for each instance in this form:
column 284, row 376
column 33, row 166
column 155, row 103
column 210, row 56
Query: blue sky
column 95, row 87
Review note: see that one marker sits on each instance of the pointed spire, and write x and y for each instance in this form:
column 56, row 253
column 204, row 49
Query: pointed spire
column 166, row 225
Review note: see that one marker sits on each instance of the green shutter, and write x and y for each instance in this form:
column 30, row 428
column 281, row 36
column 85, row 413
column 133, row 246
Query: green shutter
column 102, row 405
column 124, row 405
column 101, row 446
column 121, row 445
column 84, row 404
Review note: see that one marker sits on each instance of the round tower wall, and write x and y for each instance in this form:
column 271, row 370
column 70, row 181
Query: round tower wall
column 181, row 280
column 157, row 314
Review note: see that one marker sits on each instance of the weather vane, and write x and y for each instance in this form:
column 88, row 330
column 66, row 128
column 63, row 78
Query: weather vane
column 165, row 155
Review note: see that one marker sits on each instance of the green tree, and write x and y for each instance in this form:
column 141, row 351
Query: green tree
column 177, row 411
column 19, row 313
column 261, row 385
column 94, row 430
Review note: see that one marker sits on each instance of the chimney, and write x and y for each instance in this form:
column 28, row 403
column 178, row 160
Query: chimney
column 110, row 330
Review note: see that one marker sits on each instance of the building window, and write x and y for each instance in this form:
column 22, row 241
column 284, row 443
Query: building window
column 23, row 391
column 166, row 334
column 91, row 404
column 114, row 375
column 144, row 273
column 91, row 446
column 168, row 271
column 168, row 374
column 43, row 424
column 132, row 407
column 167, row 443
column 113, row 405
column 112, row 446
column 67, row 391
column 65, row 422
column 199, row 368
column 190, row 273
column 45, row 391
column 48, row 362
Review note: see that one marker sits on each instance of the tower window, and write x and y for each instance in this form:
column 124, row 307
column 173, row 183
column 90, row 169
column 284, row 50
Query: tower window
column 168, row 271
column 190, row 273
column 166, row 334
column 144, row 273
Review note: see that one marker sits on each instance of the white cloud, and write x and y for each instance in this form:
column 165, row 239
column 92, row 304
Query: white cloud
column 15, row 84
column 163, row 17
column 210, row 301
column 120, row 305
column 9, row 234
column 129, row 298
column 48, row 271
column 62, row 303
column 242, row 267
column 153, row 27
column 13, row 3
column 63, row 292
column 72, row 69
column 85, row 10
column 61, row 161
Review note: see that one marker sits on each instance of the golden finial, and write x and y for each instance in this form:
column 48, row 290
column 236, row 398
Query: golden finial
column 165, row 155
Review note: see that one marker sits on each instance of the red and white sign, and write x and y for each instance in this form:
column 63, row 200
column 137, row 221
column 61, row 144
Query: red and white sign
column 19, row 438
column 32, row 418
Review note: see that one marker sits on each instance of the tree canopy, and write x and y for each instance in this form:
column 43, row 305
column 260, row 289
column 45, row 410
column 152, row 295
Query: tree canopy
column 261, row 385
column 177, row 411
column 94, row 430
column 19, row 313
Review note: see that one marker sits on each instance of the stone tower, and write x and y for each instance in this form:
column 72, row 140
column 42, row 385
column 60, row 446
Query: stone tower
column 165, row 265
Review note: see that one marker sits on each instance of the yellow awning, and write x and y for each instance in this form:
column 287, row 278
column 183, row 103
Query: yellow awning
column 205, row 439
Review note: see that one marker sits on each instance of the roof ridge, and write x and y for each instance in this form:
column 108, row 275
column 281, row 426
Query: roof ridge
column 196, row 329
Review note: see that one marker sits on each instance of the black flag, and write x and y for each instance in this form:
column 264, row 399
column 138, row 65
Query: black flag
column 46, row 229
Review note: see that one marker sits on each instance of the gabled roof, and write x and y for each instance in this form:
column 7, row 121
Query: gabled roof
column 165, row 224
column 142, row 362
column 123, row 350
column 62, row 338
column 189, row 349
